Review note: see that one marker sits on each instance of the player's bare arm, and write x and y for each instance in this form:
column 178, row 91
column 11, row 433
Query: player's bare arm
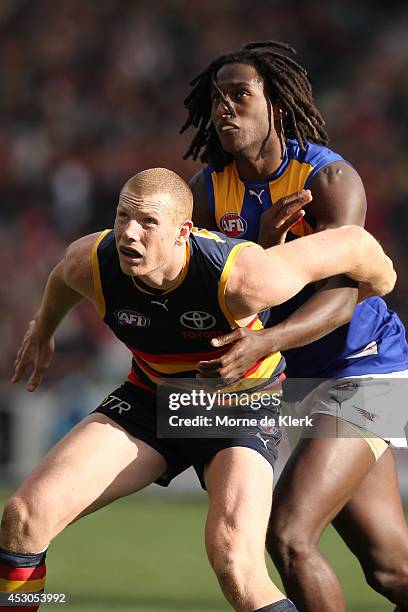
column 347, row 250
column 338, row 199
column 202, row 216
column 69, row 282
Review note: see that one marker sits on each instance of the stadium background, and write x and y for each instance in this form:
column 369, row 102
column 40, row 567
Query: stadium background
column 91, row 92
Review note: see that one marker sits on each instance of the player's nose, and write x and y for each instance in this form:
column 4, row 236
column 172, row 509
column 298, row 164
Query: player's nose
column 224, row 108
column 133, row 230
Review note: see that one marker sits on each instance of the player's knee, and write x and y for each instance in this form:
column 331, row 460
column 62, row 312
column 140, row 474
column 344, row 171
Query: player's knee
column 232, row 569
column 390, row 580
column 288, row 546
column 233, row 561
column 21, row 518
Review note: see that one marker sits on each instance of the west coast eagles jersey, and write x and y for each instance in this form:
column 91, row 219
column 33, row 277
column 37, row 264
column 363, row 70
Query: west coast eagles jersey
column 168, row 332
column 374, row 341
column 237, row 204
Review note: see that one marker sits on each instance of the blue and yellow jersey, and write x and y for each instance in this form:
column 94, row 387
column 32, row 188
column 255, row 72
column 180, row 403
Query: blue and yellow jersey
column 374, row 341
column 168, row 332
column 237, row 204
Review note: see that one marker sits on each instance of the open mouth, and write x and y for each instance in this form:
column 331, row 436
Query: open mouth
column 130, row 253
column 227, row 127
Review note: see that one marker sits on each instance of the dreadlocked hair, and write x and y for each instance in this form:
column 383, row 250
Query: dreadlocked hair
column 286, row 85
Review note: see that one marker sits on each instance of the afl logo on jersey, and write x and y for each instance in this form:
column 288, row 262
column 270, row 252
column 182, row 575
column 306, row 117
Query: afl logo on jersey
column 233, row 225
column 197, row 319
column 132, row 318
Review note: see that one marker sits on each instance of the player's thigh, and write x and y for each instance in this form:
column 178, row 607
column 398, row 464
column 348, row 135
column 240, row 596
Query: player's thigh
column 97, row 459
column 320, row 477
column 239, row 482
column 372, row 523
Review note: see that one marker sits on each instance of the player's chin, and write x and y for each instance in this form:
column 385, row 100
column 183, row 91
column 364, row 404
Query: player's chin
column 230, row 142
column 132, row 268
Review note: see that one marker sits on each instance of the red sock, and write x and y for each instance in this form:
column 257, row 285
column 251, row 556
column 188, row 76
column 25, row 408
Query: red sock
column 21, row 575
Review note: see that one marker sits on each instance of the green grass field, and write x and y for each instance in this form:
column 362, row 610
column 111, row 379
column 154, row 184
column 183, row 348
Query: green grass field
column 146, row 554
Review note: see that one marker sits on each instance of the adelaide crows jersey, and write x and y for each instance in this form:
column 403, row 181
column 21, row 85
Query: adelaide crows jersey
column 374, row 341
column 168, row 332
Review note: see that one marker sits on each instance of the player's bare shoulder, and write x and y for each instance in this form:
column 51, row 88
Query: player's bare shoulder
column 78, row 265
column 247, row 281
column 338, row 196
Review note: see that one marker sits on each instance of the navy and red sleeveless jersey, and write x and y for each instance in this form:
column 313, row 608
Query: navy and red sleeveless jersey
column 168, row 332
column 374, row 341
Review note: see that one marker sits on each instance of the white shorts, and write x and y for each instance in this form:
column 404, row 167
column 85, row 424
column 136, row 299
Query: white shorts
column 376, row 404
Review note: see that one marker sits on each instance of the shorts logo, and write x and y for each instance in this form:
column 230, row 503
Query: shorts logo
column 369, row 416
column 197, row 319
column 272, row 431
column 264, row 440
column 132, row 318
column 115, row 403
column 233, row 225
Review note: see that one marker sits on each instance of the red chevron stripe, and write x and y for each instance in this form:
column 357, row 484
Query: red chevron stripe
column 22, row 573
column 252, row 370
column 252, row 323
column 133, row 378
column 179, row 357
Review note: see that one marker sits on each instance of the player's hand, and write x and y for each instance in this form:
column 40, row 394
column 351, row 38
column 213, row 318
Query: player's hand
column 34, row 354
column 248, row 346
column 284, row 214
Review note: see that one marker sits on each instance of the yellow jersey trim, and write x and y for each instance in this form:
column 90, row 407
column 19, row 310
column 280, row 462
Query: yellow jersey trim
column 204, row 233
column 222, row 283
column 99, row 297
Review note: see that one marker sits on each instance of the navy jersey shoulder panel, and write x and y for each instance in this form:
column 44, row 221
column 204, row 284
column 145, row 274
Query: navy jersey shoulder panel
column 108, row 259
column 214, row 251
column 106, row 241
column 209, row 189
column 316, row 155
column 114, row 283
column 107, row 247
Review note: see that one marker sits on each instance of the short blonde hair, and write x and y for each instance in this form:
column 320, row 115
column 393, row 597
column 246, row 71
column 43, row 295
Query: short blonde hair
column 160, row 180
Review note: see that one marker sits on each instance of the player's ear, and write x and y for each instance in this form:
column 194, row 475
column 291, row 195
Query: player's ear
column 184, row 232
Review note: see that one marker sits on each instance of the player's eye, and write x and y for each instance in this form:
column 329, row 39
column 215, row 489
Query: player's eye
column 149, row 221
column 240, row 94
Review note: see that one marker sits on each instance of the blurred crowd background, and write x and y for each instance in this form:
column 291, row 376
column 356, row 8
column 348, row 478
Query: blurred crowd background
column 92, row 91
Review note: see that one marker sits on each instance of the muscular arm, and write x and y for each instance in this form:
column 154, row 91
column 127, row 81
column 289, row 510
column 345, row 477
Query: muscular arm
column 338, row 199
column 69, row 282
column 202, row 216
column 347, row 250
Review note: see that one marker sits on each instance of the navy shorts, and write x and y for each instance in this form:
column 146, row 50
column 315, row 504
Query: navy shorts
column 135, row 410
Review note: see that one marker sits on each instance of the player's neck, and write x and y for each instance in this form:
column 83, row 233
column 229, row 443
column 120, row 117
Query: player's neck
column 166, row 276
column 262, row 164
